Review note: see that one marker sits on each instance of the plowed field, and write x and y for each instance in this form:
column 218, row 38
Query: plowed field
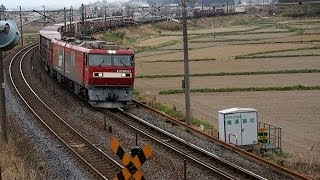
column 296, row 111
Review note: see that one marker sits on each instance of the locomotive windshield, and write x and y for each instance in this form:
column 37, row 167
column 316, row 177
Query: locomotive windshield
column 107, row 60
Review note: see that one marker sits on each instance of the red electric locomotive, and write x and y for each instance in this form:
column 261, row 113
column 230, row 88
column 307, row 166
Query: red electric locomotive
column 98, row 71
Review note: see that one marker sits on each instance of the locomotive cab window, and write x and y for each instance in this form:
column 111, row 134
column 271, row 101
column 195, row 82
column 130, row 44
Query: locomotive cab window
column 107, row 60
column 99, row 60
column 122, row 60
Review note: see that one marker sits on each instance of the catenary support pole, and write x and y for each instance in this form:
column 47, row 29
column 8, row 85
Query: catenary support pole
column 21, row 32
column 70, row 20
column 105, row 17
column 3, row 115
column 82, row 19
column 44, row 15
column 65, row 19
column 186, row 63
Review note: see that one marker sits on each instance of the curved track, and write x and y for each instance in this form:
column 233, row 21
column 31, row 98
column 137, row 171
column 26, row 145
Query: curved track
column 278, row 169
column 213, row 163
column 99, row 164
column 102, row 166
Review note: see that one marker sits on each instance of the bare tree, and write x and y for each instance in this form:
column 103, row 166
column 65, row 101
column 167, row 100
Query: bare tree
column 2, row 7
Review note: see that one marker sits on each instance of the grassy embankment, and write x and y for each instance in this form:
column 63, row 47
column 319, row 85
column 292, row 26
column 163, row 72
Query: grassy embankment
column 12, row 167
column 173, row 112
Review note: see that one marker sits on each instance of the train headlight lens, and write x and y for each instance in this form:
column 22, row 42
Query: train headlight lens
column 112, row 51
column 123, row 75
column 98, row 74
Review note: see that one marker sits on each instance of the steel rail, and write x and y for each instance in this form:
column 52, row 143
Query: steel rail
column 92, row 167
column 195, row 147
column 249, row 155
column 192, row 158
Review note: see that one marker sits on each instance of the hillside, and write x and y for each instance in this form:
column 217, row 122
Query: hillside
column 205, row 2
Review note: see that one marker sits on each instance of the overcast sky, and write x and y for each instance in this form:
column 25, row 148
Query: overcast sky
column 52, row 4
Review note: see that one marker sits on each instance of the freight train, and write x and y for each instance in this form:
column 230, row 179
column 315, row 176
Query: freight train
column 219, row 11
column 102, row 73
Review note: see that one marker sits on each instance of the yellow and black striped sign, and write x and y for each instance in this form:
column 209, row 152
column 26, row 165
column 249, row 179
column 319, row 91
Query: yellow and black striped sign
column 141, row 157
column 116, row 148
column 123, row 175
column 132, row 165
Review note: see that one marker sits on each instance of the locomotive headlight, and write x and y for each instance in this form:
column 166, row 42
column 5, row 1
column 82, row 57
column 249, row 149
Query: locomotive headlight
column 123, row 75
column 112, row 51
column 98, row 74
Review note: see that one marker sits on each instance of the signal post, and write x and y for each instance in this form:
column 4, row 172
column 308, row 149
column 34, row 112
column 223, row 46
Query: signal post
column 9, row 37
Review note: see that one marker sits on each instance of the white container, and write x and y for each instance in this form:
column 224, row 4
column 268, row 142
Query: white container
column 238, row 126
column 239, row 9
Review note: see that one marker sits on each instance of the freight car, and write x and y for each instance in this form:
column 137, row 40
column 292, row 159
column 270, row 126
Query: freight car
column 219, row 11
column 208, row 12
column 101, row 73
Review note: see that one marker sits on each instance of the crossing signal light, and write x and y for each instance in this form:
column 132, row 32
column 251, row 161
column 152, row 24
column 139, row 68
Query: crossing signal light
column 262, row 135
column 9, row 35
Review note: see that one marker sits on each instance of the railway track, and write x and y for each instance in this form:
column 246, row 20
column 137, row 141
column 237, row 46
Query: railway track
column 191, row 152
column 166, row 118
column 213, row 163
column 97, row 162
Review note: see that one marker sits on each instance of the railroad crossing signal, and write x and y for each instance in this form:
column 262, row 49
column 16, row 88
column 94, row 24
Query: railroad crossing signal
column 132, row 165
column 262, row 135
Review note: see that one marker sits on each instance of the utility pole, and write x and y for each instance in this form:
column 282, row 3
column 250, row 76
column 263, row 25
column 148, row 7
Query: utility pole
column 202, row 9
column 3, row 115
column 85, row 17
column 300, row 4
column 128, row 10
column 3, row 102
column 21, row 32
column 82, row 20
column 214, row 26
column 227, row 7
column 82, row 13
column 44, row 17
column 70, row 19
column 186, row 63
column 71, row 13
column 105, row 17
column 65, row 19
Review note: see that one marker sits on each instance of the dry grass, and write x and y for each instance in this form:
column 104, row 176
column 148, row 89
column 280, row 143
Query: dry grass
column 306, row 38
column 227, row 51
column 293, row 53
column 12, row 167
column 138, row 32
column 294, row 111
column 217, row 30
column 243, row 65
column 270, row 80
column 270, row 30
column 158, row 40
column 308, row 164
column 243, row 37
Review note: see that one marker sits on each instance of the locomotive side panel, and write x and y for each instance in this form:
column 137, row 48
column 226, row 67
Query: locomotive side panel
column 58, row 62
column 45, row 49
column 74, row 65
column 80, row 66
